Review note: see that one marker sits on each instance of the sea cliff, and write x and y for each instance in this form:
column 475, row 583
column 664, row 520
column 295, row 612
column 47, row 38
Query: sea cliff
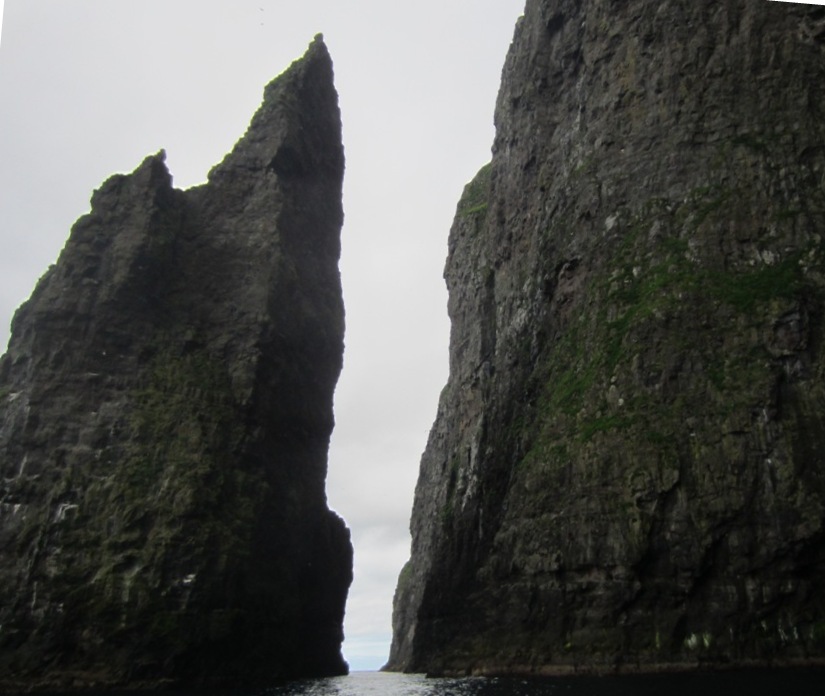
column 165, row 413
column 626, row 470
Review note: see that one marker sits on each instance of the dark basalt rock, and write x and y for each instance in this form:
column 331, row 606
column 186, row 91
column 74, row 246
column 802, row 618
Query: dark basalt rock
column 626, row 470
column 165, row 413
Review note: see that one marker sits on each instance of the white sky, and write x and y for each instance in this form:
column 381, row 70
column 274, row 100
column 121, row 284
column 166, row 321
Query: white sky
column 90, row 87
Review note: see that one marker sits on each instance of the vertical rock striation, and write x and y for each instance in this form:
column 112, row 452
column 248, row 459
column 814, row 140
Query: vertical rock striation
column 627, row 469
column 165, row 413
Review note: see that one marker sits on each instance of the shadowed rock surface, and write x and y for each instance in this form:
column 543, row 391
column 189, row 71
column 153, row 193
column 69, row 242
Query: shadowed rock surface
column 165, row 413
column 627, row 468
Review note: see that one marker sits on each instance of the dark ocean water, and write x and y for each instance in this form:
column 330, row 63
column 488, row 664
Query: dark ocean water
column 804, row 682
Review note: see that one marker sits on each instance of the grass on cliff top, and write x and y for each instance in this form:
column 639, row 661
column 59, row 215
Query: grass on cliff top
column 476, row 194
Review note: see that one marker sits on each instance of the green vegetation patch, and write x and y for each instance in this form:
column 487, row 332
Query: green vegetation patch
column 603, row 424
column 476, row 194
column 745, row 290
column 183, row 419
column 663, row 301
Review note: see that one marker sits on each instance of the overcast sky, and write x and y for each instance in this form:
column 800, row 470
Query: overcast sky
column 88, row 88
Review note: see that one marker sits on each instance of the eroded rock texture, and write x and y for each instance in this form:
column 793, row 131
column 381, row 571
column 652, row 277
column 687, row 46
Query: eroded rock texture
column 165, row 412
column 627, row 467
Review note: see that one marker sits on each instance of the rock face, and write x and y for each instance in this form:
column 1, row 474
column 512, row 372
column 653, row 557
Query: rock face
column 627, row 468
column 165, row 413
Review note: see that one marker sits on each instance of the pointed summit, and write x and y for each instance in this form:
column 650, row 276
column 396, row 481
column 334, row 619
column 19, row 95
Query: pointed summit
column 165, row 414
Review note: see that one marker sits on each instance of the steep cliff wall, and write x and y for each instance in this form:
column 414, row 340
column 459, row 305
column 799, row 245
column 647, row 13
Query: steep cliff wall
column 165, row 412
column 627, row 468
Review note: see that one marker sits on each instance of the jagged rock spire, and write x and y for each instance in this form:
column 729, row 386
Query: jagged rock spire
column 165, row 413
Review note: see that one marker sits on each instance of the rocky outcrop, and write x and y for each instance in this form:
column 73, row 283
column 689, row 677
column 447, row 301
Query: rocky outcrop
column 165, row 413
column 626, row 470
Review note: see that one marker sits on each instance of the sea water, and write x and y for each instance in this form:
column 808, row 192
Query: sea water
column 798, row 682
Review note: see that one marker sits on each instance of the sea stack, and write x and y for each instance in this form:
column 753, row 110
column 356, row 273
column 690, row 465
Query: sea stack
column 627, row 467
column 165, row 414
